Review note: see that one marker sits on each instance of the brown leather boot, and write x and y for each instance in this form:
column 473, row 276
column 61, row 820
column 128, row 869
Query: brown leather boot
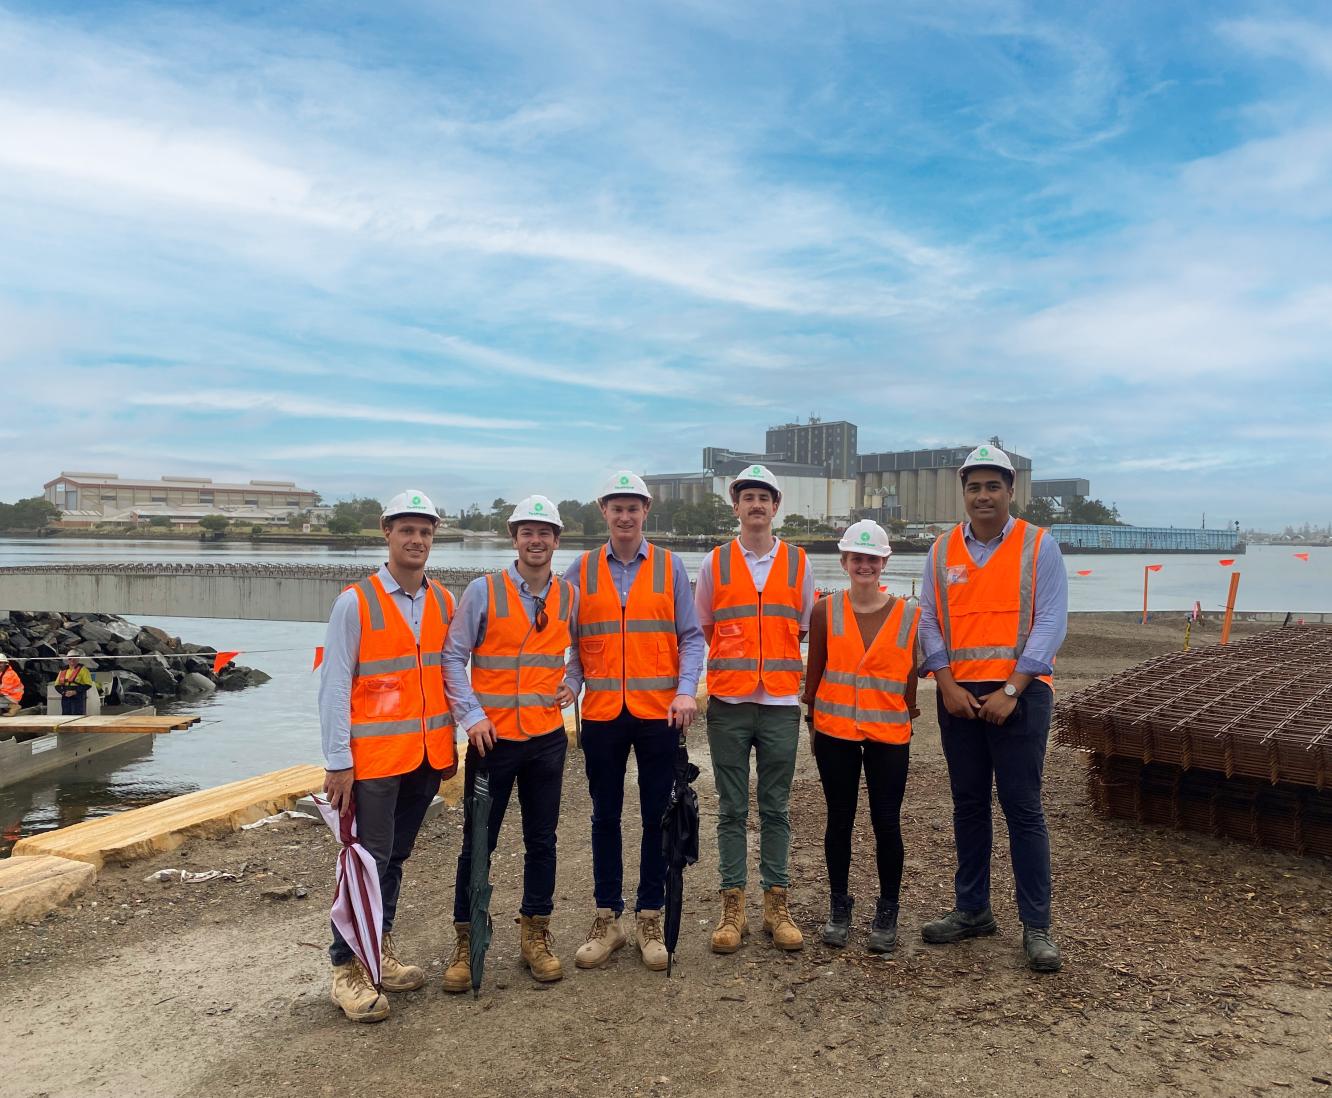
column 458, row 976
column 359, row 999
column 777, row 920
column 536, row 943
column 393, row 974
column 733, row 925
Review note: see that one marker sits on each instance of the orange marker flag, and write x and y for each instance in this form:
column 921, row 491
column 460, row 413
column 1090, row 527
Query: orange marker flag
column 1155, row 567
column 1303, row 556
column 222, row 659
column 1226, row 563
column 1085, row 572
column 319, row 657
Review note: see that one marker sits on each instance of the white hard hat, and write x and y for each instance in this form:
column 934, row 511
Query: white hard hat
column 73, row 654
column 755, row 474
column 988, row 456
column 410, row 502
column 866, row 536
column 3, row 658
column 536, row 509
column 623, row 483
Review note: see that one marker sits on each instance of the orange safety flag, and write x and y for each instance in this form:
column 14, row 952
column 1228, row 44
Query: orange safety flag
column 222, row 659
column 1226, row 563
column 1303, row 556
column 319, row 657
column 1085, row 572
column 1155, row 567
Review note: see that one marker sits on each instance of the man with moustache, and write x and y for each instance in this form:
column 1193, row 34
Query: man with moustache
column 386, row 727
column 514, row 627
column 754, row 597
column 993, row 613
column 639, row 655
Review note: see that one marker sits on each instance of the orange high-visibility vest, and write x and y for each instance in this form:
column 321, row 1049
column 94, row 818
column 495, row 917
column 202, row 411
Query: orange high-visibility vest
column 517, row 668
column 755, row 637
column 630, row 654
column 11, row 686
column 985, row 613
column 399, row 709
column 862, row 695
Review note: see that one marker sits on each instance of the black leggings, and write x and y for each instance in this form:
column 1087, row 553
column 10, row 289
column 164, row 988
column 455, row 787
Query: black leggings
column 839, row 764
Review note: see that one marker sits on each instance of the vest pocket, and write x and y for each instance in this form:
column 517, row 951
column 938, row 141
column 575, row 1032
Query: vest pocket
column 593, row 655
column 376, row 698
column 728, row 640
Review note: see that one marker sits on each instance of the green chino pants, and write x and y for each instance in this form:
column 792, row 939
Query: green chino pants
column 773, row 732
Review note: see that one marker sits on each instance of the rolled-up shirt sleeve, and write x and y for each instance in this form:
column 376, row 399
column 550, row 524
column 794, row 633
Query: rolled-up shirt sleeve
column 688, row 633
column 342, row 645
column 1049, row 612
column 465, row 633
column 933, row 653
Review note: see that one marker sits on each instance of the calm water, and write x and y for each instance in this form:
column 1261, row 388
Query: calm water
column 252, row 731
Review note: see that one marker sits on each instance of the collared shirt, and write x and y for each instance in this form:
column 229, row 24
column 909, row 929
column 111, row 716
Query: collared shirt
column 342, row 648
column 688, row 634
column 1049, row 611
column 759, row 567
column 468, row 630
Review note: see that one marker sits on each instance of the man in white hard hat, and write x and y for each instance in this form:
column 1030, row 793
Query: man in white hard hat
column 639, row 655
column 11, row 687
column 515, row 628
column 72, row 684
column 386, row 726
column 754, row 597
column 994, row 610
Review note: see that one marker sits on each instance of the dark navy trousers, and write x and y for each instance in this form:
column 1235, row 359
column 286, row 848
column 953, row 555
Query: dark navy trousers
column 1010, row 759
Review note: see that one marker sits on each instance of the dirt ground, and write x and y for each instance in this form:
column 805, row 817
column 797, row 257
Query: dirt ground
column 1192, row 966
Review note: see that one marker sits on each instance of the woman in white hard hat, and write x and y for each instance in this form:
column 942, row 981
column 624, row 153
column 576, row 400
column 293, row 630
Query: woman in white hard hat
column 861, row 689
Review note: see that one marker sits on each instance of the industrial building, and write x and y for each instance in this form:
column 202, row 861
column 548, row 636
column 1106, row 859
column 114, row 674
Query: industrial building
column 87, row 499
column 1063, row 491
column 922, row 487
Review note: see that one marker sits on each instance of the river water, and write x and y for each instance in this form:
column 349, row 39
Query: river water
column 264, row 728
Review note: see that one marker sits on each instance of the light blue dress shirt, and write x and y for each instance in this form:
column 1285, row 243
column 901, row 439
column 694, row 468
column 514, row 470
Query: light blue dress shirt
column 342, row 648
column 688, row 633
column 468, row 630
column 1049, row 612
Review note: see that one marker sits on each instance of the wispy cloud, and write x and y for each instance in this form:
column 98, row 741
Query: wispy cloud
column 221, row 403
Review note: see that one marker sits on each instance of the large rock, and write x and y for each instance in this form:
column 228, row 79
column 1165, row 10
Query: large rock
column 165, row 642
column 236, row 678
column 96, row 633
column 157, row 672
column 123, row 648
column 194, row 683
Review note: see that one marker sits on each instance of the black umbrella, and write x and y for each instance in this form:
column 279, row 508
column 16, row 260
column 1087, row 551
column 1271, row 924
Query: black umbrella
column 479, row 888
column 679, row 843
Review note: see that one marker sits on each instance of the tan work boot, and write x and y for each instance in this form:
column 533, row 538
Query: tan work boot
column 356, row 995
column 536, row 943
column 603, row 939
column 733, row 927
column 393, row 974
column 650, row 946
column 458, row 976
column 777, row 920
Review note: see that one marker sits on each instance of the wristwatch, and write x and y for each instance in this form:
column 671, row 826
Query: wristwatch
column 1010, row 690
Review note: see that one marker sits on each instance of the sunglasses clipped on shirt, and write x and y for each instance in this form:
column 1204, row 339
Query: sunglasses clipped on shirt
column 540, row 618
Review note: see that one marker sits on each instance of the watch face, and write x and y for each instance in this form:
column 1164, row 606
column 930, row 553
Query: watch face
column 1010, row 690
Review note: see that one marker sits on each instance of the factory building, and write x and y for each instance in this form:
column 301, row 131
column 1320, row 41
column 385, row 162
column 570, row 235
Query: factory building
column 922, row 487
column 1061, row 491
column 90, row 498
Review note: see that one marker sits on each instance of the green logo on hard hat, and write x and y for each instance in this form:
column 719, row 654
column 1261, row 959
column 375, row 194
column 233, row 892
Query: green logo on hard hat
column 864, row 535
column 984, row 451
column 757, row 471
column 536, row 507
column 624, row 480
column 416, row 501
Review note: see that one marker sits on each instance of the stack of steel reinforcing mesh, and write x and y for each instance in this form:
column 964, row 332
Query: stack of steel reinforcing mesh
column 1234, row 740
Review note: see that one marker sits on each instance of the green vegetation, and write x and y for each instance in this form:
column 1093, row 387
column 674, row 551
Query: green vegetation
column 214, row 526
column 33, row 513
column 1044, row 512
column 344, row 524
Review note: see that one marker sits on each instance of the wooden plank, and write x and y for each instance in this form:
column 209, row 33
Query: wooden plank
column 30, row 887
column 34, row 722
column 143, row 832
column 119, row 722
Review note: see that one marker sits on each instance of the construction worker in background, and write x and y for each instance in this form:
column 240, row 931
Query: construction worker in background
column 515, row 627
column 11, row 687
column 994, row 610
column 72, row 684
column 754, row 597
column 639, row 655
column 861, row 689
column 386, row 726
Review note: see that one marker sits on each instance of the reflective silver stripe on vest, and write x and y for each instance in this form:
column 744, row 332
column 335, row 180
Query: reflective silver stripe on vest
column 386, row 667
column 513, row 663
column 783, row 665
column 592, row 570
column 837, row 617
column 861, row 716
column 508, row 701
column 444, row 720
column 738, row 664
column 792, row 564
column 660, row 559
column 1001, row 652
column 941, row 588
column 372, row 601
column 440, row 600
column 385, row 728
column 608, row 685
column 566, row 599
column 727, row 613
column 1026, row 593
column 649, row 625
column 873, row 682
column 780, row 611
column 598, row 628
column 499, row 593
column 724, row 562
column 432, row 659
column 908, row 620
column 662, row 683
column 839, row 678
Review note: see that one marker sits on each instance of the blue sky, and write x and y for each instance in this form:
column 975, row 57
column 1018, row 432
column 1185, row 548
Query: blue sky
column 502, row 251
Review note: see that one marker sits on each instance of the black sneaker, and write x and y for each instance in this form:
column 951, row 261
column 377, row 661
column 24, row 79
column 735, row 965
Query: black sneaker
column 883, row 934
column 957, row 925
column 1042, row 953
column 837, row 927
